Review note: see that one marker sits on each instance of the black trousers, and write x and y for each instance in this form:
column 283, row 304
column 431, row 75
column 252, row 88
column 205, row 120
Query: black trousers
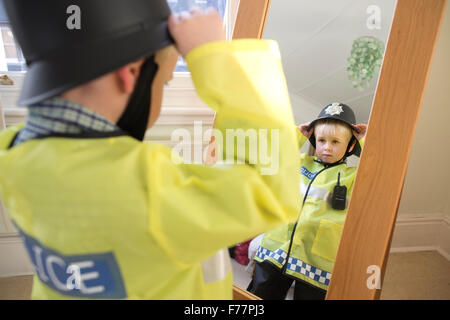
column 269, row 283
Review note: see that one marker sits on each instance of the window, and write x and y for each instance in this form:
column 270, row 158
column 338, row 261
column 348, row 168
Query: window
column 11, row 57
column 180, row 100
column 178, row 6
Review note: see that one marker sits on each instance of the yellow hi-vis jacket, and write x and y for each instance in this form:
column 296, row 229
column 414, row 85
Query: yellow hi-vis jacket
column 316, row 235
column 112, row 217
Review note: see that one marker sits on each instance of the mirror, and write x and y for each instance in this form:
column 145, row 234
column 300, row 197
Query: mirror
column 331, row 51
column 316, row 39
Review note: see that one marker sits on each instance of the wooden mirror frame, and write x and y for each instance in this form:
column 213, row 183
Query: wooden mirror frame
column 369, row 225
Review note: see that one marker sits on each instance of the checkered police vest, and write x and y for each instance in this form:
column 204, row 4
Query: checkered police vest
column 318, row 231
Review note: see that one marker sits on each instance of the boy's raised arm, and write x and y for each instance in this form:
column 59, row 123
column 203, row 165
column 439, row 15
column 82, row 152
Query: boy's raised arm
column 303, row 134
column 240, row 198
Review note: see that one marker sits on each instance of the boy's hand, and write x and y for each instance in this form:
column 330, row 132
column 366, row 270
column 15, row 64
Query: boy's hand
column 194, row 28
column 362, row 127
column 304, row 129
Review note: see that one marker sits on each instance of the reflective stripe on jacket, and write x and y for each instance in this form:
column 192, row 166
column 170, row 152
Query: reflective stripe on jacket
column 319, row 226
column 112, row 217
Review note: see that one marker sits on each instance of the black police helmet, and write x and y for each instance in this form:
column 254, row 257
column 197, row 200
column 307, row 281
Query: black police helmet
column 342, row 113
column 61, row 54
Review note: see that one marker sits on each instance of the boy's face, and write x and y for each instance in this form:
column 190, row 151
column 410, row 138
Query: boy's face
column 331, row 141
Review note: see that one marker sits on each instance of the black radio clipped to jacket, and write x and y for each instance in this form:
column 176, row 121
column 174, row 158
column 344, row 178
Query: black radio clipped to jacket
column 339, row 198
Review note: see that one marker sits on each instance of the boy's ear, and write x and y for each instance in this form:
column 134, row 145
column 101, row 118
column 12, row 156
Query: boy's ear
column 129, row 75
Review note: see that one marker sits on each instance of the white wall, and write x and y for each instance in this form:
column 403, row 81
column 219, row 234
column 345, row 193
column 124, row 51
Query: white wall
column 424, row 211
column 304, row 110
column 426, row 188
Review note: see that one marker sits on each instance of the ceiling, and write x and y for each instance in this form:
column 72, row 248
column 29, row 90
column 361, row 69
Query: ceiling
column 315, row 39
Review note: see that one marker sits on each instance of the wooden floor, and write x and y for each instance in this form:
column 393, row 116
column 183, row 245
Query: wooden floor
column 409, row 276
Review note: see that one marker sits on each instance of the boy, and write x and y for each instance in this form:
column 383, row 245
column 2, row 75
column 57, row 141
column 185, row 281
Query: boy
column 305, row 251
column 103, row 215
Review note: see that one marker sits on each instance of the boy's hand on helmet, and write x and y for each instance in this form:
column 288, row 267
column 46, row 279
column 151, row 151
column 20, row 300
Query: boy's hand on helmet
column 362, row 127
column 194, row 28
column 304, row 129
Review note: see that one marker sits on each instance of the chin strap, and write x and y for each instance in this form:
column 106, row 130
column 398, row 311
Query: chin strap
column 135, row 117
column 350, row 143
column 347, row 152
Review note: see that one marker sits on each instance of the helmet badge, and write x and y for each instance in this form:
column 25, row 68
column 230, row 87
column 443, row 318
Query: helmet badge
column 334, row 108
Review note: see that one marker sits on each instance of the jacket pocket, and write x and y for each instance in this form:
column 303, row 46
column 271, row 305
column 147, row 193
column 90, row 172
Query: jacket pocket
column 327, row 239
